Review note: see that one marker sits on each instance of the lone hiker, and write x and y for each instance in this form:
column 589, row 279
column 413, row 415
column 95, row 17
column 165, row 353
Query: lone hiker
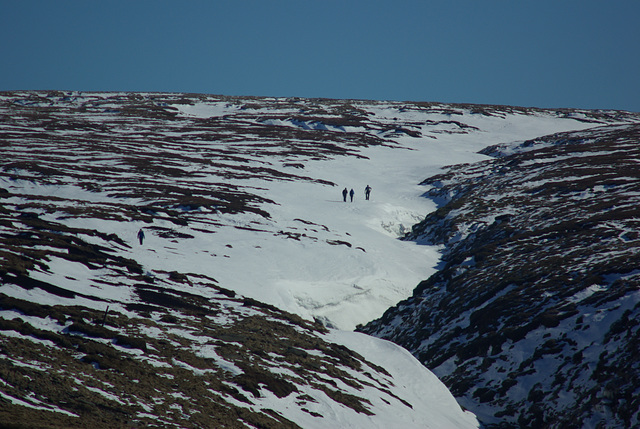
column 141, row 235
column 367, row 192
column 344, row 194
column 351, row 194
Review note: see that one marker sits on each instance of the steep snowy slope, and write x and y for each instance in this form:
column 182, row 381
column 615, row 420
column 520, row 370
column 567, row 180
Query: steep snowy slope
column 215, row 180
column 534, row 320
column 247, row 241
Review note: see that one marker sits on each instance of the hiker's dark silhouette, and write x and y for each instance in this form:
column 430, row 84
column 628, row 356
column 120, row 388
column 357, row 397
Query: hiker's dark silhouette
column 344, row 194
column 141, row 236
column 367, row 192
column 351, row 194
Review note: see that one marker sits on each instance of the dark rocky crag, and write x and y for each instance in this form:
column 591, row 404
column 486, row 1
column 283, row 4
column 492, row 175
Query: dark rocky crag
column 534, row 319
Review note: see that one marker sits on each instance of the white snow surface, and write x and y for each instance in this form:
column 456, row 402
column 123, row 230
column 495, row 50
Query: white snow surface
column 428, row 403
column 340, row 285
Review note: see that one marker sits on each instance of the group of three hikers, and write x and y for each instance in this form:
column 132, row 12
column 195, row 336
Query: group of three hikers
column 367, row 192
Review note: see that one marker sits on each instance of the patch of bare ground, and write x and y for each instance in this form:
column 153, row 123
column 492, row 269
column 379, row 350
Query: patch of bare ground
column 174, row 366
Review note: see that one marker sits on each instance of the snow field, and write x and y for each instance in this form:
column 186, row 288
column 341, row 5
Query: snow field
column 316, row 256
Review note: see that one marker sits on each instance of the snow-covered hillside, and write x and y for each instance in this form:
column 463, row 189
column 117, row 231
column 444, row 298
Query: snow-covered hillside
column 249, row 253
column 534, row 320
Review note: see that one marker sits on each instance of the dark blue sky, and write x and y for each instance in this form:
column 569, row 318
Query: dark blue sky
column 560, row 53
